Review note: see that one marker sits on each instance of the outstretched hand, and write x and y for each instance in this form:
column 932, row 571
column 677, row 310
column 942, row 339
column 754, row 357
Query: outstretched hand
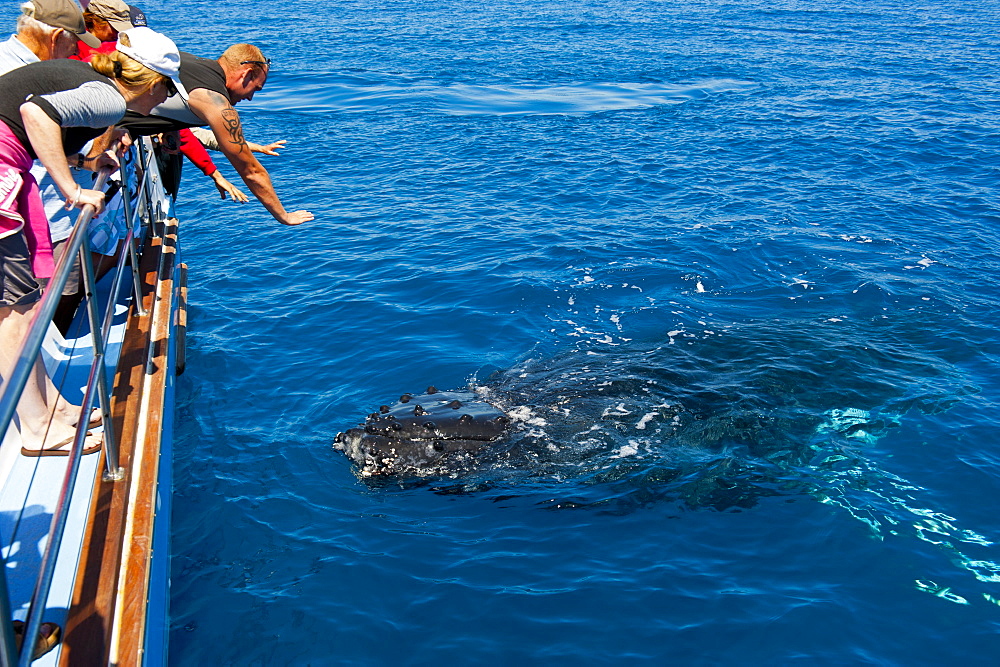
column 225, row 187
column 270, row 149
column 123, row 138
column 297, row 218
column 170, row 142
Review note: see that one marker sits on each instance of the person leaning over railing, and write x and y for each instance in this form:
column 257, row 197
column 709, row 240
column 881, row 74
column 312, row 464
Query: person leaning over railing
column 215, row 87
column 46, row 30
column 105, row 19
column 49, row 110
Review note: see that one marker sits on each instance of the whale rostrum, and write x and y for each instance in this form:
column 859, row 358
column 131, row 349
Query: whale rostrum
column 420, row 433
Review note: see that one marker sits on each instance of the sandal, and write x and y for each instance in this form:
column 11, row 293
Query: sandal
column 56, row 450
column 96, row 418
column 44, row 643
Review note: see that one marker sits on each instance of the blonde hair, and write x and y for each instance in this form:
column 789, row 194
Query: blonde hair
column 238, row 53
column 131, row 73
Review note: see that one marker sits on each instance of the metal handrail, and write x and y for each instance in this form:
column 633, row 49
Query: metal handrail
column 10, row 394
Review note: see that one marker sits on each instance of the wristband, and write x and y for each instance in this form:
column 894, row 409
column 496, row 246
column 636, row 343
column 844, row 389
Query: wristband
column 70, row 203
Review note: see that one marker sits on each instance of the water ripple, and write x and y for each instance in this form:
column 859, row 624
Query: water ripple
column 733, row 267
column 356, row 94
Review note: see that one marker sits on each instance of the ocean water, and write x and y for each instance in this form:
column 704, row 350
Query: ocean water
column 733, row 267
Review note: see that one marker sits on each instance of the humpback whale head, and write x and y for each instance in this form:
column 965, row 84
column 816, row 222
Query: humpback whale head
column 423, row 434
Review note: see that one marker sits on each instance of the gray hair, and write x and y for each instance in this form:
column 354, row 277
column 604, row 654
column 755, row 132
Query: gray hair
column 40, row 32
column 27, row 23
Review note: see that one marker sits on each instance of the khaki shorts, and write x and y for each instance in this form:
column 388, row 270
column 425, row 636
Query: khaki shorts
column 19, row 287
column 73, row 282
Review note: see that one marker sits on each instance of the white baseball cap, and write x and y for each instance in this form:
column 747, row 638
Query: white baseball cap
column 156, row 51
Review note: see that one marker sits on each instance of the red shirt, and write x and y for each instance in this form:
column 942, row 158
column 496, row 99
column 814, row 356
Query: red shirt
column 87, row 51
column 195, row 151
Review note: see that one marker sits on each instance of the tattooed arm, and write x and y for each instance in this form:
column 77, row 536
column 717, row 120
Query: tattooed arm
column 224, row 121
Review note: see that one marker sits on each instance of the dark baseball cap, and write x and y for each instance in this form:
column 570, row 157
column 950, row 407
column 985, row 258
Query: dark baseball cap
column 138, row 17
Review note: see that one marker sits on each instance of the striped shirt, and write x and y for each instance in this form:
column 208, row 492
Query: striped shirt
column 81, row 101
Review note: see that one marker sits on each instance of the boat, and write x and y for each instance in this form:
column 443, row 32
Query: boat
column 85, row 538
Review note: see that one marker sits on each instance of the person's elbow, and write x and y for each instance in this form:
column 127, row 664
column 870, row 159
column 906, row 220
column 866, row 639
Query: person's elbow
column 249, row 169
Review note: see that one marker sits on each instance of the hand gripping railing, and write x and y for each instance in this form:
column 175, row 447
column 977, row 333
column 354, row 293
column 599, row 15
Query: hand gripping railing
column 76, row 246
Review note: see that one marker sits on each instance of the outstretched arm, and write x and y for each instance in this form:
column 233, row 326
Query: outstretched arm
column 225, row 187
column 270, row 149
column 224, row 120
column 207, row 137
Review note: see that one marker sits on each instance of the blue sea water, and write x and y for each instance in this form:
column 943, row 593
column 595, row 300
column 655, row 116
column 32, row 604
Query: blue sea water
column 733, row 265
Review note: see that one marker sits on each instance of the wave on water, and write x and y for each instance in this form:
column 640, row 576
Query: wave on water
column 574, row 99
column 301, row 95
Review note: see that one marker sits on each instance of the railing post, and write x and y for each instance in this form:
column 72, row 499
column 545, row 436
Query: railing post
column 10, row 392
column 130, row 219
column 144, row 160
column 8, row 649
column 57, row 527
column 114, row 472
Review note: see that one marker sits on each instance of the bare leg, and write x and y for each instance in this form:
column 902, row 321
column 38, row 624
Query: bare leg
column 69, row 303
column 46, row 417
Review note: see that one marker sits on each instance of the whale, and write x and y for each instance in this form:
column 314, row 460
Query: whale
column 426, row 432
column 717, row 422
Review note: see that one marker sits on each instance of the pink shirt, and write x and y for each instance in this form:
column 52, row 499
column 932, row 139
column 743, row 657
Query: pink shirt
column 21, row 204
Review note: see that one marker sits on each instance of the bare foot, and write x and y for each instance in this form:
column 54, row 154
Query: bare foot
column 58, row 441
column 69, row 414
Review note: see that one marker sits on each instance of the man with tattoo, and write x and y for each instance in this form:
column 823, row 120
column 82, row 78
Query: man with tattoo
column 214, row 87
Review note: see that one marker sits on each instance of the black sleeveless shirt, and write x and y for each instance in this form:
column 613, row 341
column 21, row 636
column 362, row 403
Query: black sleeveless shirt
column 174, row 114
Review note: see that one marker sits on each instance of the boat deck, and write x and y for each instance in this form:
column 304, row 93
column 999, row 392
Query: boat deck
column 110, row 585
column 31, row 485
